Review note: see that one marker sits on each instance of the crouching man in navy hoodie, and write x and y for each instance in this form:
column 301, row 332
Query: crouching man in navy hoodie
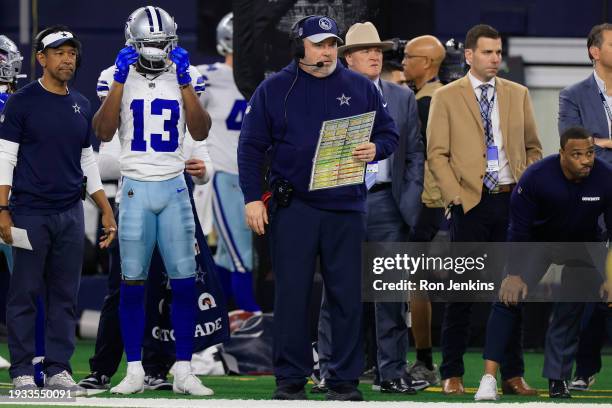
column 285, row 116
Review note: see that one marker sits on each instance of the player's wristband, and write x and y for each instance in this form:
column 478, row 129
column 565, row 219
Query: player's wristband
column 4, row 208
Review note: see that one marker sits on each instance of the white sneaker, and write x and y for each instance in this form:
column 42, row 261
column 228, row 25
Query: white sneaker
column 64, row 381
column 4, row 364
column 582, row 383
column 24, row 382
column 487, row 391
column 190, row 384
column 132, row 383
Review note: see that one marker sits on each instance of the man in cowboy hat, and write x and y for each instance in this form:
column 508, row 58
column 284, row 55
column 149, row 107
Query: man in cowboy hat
column 392, row 203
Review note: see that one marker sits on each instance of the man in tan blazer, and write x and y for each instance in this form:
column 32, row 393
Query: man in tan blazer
column 481, row 137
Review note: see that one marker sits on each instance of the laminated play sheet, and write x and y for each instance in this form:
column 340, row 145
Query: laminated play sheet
column 333, row 163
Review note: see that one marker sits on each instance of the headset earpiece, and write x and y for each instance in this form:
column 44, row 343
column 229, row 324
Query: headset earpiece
column 297, row 43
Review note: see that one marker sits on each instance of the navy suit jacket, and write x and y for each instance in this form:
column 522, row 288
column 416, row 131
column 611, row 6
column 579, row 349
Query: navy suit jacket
column 407, row 162
column 580, row 105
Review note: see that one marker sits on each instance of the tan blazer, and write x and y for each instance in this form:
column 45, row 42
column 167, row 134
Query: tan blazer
column 431, row 196
column 456, row 152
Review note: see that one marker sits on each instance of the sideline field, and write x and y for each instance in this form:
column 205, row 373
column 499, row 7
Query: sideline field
column 233, row 391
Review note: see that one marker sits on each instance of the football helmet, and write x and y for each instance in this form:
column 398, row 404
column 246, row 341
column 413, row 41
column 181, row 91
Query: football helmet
column 10, row 61
column 152, row 32
column 225, row 32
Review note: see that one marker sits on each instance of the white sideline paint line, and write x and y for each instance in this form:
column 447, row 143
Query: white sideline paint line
column 225, row 403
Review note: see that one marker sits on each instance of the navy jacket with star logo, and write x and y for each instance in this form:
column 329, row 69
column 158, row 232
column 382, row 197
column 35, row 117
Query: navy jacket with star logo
column 287, row 120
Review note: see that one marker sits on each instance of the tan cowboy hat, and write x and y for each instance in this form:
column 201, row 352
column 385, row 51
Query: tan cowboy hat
column 363, row 35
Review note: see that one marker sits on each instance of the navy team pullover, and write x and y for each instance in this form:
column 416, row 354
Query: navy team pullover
column 293, row 139
column 51, row 131
column 548, row 207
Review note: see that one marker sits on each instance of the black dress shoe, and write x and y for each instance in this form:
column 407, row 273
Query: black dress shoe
column 352, row 394
column 396, row 386
column 558, row 389
column 289, row 393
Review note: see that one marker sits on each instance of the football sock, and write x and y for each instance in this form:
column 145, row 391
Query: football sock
column 183, row 316
column 132, row 319
column 242, row 285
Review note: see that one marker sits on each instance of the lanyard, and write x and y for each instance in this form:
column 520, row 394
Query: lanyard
column 491, row 103
column 608, row 112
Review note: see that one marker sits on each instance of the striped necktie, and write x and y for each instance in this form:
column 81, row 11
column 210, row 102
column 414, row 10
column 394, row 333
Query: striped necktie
column 491, row 178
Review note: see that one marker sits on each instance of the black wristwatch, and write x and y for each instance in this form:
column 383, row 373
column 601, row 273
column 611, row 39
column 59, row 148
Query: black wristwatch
column 4, row 208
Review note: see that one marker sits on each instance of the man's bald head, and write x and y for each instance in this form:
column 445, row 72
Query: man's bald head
column 427, row 45
column 422, row 59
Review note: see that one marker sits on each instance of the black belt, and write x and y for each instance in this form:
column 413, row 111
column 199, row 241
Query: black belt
column 503, row 188
column 380, row 186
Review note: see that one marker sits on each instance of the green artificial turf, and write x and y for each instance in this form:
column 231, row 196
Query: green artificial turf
column 261, row 387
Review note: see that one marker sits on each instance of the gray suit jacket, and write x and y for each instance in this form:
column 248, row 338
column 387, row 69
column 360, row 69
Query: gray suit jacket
column 580, row 105
column 407, row 163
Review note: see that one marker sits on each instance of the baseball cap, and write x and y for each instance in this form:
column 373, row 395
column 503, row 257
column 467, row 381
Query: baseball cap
column 319, row 28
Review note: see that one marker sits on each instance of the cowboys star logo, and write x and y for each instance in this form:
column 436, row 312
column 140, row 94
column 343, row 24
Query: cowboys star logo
column 344, row 100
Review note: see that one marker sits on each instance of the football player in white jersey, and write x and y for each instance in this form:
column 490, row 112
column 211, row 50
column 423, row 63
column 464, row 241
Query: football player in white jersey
column 109, row 346
column 226, row 107
column 152, row 101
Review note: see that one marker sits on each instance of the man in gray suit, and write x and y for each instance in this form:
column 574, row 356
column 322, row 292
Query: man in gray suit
column 588, row 104
column 393, row 204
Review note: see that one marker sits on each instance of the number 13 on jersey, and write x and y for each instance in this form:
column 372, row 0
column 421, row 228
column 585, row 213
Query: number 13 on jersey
column 158, row 144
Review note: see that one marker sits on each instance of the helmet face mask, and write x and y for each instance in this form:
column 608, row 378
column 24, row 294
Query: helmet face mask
column 10, row 61
column 152, row 32
column 225, row 32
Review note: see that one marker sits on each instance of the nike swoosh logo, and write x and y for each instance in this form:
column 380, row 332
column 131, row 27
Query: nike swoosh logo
column 384, row 105
column 180, row 190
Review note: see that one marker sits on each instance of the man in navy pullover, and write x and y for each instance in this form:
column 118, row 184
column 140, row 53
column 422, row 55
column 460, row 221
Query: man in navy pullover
column 558, row 199
column 45, row 161
column 284, row 116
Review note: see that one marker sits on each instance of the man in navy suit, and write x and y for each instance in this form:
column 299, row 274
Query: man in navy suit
column 588, row 103
column 393, row 204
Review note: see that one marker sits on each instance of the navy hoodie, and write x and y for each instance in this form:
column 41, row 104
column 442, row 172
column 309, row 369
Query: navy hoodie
column 289, row 122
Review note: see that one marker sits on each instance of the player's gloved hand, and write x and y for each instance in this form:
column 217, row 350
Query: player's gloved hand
column 180, row 57
column 126, row 57
column 3, row 98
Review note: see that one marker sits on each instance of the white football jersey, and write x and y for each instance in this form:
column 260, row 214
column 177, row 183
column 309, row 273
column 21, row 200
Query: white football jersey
column 152, row 127
column 226, row 107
